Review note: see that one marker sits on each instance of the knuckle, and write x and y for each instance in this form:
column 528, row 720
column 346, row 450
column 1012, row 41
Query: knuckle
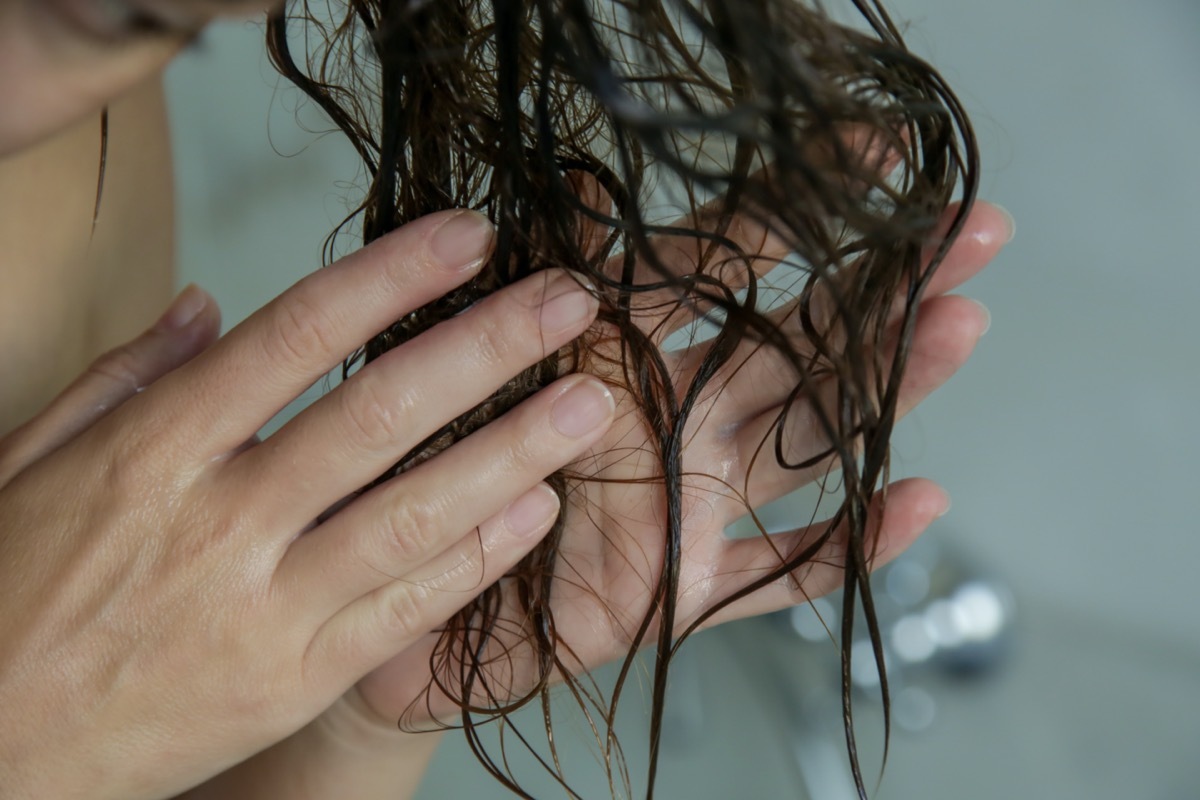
column 130, row 470
column 373, row 417
column 408, row 531
column 120, row 366
column 405, row 612
column 303, row 331
column 493, row 338
column 398, row 265
column 529, row 448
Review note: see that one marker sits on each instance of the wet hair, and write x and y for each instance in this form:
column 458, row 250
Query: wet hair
column 571, row 124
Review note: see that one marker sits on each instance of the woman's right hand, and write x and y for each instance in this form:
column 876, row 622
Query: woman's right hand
column 163, row 617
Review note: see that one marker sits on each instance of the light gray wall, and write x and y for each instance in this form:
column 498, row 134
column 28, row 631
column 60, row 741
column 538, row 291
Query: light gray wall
column 1070, row 441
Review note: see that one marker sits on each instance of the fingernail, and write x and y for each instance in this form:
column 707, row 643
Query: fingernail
column 583, row 408
column 1009, row 220
column 463, row 241
column 945, row 505
column 184, row 309
column 565, row 304
column 987, row 317
column 530, row 512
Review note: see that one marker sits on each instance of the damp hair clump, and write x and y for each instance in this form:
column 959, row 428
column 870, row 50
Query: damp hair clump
column 783, row 141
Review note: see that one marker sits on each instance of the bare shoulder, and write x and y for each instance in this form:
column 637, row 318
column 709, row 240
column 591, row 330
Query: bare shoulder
column 71, row 292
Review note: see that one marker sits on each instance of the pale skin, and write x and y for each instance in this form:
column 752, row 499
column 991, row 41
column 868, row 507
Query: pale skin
column 167, row 630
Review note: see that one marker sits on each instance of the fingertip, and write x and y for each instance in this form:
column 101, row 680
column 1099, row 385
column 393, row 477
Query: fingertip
column 1010, row 222
column 462, row 240
column 921, row 500
column 986, row 317
column 944, row 504
column 532, row 513
column 209, row 320
column 198, row 334
column 932, row 504
column 187, row 307
column 947, row 333
column 991, row 224
column 583, row 409
column 987, row 228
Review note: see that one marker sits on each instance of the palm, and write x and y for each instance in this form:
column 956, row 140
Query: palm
column 611, row 552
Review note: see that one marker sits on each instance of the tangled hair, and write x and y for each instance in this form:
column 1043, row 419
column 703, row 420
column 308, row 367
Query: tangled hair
column 566, row 122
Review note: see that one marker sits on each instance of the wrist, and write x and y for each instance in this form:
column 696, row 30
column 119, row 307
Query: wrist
column 346, row 752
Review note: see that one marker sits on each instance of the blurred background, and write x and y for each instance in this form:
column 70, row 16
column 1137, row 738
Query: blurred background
column 1069, row 443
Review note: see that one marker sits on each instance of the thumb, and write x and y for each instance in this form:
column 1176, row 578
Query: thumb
column 189, row 325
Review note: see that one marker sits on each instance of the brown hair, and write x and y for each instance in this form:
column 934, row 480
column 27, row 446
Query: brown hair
column 559, row 119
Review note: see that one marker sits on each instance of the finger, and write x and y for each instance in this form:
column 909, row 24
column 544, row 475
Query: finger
column 373, row 629
column 740, row 241
column 912, row 505
column 988, row 228
column 658, row 312
column 947, row 331
column 391, row 533
column 190, row 325
column 362, row 428
column 591, row 233
column 734, row 245
column 233, row 389
column 757, row 378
